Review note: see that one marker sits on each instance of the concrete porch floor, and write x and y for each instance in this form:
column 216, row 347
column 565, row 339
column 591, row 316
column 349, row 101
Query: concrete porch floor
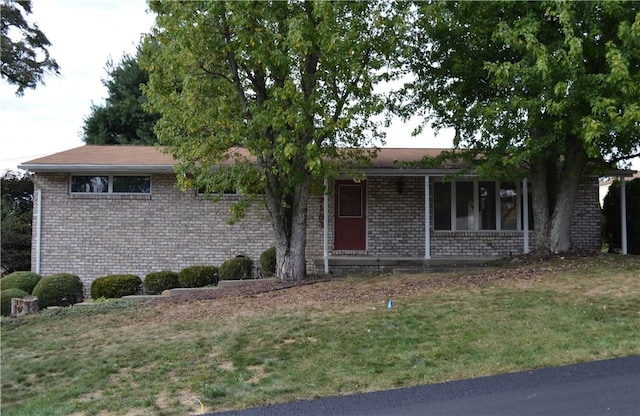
column 396, row 263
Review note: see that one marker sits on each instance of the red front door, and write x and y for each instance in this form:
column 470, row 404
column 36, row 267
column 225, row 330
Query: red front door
column 350, row 219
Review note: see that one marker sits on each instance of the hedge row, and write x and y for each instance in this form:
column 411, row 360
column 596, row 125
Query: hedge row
column 64, row 289
column 60, row 289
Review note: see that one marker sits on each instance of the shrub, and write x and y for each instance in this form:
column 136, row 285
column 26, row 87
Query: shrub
column 20, row 280
column 156, row 282
column 198, row 276
column 60, row 289
column 115, row 286
column 5, row 298
column 268, row 262
column 611, row 214
column 236, row 269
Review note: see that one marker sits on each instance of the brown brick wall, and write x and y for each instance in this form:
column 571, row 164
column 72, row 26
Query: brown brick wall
column 92, row 236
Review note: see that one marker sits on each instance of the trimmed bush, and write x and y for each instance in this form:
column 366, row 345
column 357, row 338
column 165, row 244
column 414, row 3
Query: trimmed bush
column 198, row 276
column 236, row 269
column 20, row 280
column 60, row 289
column 268, row 262
column 115, row 286
column 5, row 298
column 157, row 282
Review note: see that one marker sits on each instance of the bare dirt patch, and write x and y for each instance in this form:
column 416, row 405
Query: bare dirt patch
column 351, row 294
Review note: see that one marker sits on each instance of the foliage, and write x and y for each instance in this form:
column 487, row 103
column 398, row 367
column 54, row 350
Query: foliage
column 24, row 50
column 157, row 282
column 267, row 92
column 198, row 276
column 548, row 90
column 5, row 298
column 16, row 210
column 20, row 280
column 268, row 262
column 237, row 268
column 612, row 215
column 60, row 289
column 115, row 286
column 122, row 119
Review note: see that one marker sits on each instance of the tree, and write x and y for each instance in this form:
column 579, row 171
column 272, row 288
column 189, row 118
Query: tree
column 548, row 90
column 266, row 92
column 24, row 48
column 122, row 119
column 16, row 211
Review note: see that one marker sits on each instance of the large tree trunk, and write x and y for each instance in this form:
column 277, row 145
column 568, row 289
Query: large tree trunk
column 541, row 217
column 554, row 196
column 572, row 171
column 289, row 220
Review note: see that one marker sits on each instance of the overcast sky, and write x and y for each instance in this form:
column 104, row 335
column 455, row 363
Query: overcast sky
column 84, row 35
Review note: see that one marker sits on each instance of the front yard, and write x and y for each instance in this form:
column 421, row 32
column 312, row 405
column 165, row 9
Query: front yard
column 325, row 338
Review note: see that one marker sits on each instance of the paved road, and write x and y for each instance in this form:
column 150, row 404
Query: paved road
column 609, row 387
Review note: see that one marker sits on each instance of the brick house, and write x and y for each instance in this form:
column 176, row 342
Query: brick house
column 116, row 209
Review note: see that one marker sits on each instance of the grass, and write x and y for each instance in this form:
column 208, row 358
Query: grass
column 118, row 358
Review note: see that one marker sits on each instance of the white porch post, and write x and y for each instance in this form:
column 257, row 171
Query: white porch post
column 325, row 227
column 623, row 214
column 427, row 220
column 525, row 214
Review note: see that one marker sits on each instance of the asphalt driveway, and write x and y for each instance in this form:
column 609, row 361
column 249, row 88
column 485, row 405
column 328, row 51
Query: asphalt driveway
column 609, row 387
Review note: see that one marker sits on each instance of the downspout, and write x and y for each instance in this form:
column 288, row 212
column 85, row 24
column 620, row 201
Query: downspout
column 325, row 226
column 38, row 202
column 623, row 214
column 525, row 214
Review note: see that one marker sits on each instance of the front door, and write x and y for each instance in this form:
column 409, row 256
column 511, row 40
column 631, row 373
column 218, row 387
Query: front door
column 350, row 218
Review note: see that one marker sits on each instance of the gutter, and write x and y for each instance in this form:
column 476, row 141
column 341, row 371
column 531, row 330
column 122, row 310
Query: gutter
column 82, row 168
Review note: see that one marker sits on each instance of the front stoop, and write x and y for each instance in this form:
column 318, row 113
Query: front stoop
column 232, row 283
column 398, row 265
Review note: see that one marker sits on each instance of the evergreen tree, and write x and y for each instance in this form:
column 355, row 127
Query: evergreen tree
column 122, row 119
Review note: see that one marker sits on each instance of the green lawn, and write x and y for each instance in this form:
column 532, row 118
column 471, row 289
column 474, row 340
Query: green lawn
column 327, row 338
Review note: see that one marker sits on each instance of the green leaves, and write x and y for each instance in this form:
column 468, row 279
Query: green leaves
column 288, row 81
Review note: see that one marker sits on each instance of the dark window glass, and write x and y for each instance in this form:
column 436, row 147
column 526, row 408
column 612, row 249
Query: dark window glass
column 442, row 206
column 132, row 184
column 508, row 206
column 464, row 205
column 487, row 205
column 90, row 184
column 350, row 201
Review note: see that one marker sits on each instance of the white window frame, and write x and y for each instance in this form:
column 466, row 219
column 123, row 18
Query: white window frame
column 476, row 197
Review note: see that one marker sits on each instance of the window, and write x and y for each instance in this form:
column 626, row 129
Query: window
column 90, row 184
column 441, row 206
column 350, row 201
column 132, row 184
column 229, row 191
column 111, row 184
column 481, row 205
column 464, row 206
column 508, row 206
column 487, row 191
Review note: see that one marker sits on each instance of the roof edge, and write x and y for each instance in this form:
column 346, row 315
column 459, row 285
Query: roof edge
column 57, row 168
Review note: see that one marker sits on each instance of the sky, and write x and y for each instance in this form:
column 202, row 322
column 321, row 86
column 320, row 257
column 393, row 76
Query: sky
column 84, row 35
